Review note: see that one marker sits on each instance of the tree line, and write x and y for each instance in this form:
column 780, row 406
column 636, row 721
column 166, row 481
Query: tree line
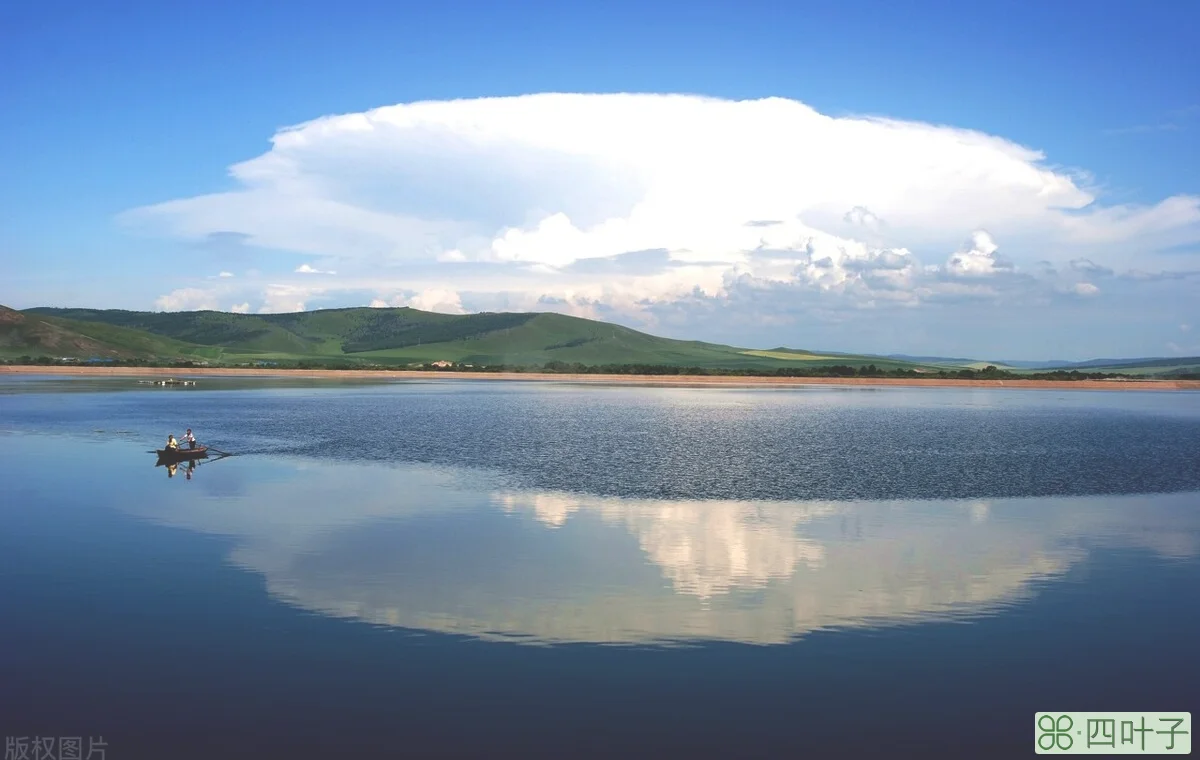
column 990, row 372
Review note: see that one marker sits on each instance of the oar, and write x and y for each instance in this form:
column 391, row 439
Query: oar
column 222, row 453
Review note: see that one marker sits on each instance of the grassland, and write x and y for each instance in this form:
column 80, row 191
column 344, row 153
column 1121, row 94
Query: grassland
column 46, row 335
column 405, row 338
column 401, row 337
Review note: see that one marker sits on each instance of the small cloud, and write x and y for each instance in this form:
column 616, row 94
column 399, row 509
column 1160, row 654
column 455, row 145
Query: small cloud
column 454, row 255
column 1090, row 267
column 240, row 308
column 222, row 241
column 1139, row 129
column 1165, row 275
column 307, row 269
column 1185, row 328
column 1186, row 350
column 763, row 223
column 225, row 274
column 227, row 237
column 977, row 257
column 860, row 216
column 1169, row 124
column 187, row 299
column 1085, row 289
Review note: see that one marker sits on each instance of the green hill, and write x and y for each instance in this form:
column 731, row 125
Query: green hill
column 402, row 336
column 34, row 334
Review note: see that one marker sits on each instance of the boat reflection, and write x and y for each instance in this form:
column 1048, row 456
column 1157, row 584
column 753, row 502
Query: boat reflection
column 172, row 467
column 190, row 463
column 435, row 549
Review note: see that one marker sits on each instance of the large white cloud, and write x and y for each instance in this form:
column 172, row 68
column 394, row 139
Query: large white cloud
column 762, row 193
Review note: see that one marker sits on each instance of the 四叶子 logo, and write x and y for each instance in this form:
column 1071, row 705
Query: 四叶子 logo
column 1116, row 733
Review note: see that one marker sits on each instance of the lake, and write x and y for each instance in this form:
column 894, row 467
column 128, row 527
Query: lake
column 518, row 569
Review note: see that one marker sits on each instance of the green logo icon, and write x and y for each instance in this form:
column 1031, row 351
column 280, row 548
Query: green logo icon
column 1054, row 731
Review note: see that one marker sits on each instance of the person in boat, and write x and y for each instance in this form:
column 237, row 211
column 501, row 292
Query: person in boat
column 191, row 439
column 172, row 444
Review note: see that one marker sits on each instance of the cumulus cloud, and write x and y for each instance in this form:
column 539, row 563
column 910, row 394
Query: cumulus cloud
column 441, row 300
column 240, row 308
column 309, row 269
column 284, row 298
column 187, row 299
column 225, row 274
column 862, row 217
column 767, row 195
column 604, row 174
column 976, row 258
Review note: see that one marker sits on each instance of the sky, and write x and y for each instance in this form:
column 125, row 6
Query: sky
column 987, row 180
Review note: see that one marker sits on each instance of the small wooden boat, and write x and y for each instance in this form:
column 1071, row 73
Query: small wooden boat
column 182, row 453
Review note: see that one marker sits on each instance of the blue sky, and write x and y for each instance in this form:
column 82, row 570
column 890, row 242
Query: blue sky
column 115, row 109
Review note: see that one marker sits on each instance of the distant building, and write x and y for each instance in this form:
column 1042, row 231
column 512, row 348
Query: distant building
column 443, row 363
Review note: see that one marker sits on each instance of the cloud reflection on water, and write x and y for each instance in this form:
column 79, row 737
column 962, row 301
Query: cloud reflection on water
column 441, row 549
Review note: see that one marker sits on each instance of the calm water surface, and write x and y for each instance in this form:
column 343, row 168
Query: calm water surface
column 488, row 569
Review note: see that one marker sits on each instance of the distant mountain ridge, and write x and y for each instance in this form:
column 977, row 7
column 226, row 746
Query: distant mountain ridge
column 930, row 359
column 1145, row 362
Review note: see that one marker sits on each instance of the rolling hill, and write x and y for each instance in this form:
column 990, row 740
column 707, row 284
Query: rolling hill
column 1157, row 366
column 23, row 333
column 394, row 336
column 405, row 336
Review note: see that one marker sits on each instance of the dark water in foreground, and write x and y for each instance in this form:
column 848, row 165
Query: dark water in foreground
column 502, row 570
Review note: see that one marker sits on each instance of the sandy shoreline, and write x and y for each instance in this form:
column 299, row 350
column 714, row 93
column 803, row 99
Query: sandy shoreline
column 658, row 380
